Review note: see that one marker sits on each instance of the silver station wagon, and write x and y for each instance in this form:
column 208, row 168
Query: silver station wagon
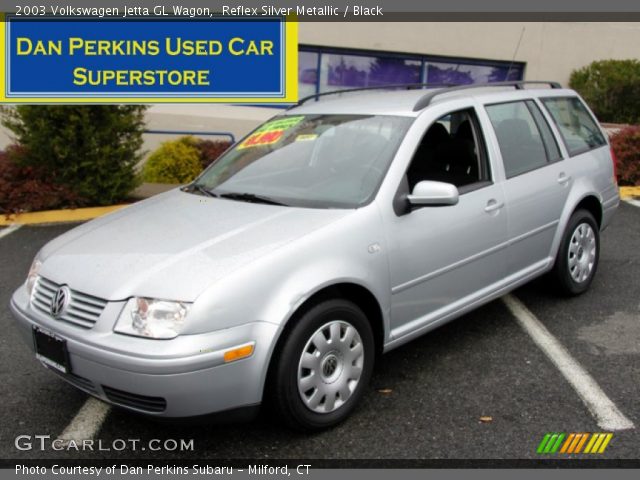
column 341, row 229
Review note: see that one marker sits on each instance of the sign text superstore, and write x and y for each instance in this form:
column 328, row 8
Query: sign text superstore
column 248, row 60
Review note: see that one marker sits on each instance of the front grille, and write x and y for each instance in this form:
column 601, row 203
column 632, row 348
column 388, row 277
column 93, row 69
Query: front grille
column 82, row 310
column 133, row 400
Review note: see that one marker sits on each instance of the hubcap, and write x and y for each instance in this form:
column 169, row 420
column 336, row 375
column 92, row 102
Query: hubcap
column 582, row 253
column 330, row 366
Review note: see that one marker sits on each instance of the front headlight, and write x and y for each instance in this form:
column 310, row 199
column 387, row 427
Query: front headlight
column 32, row 276
column 147, row 317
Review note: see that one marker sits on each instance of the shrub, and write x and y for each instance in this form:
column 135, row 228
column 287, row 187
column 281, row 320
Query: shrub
column 175, row 161
column 26, row 188
column 626, row 145
column 90, row 149
column 611, row 88
column 211, row 150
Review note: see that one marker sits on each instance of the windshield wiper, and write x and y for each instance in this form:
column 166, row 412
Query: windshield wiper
column 251, row 197
column 195, row 187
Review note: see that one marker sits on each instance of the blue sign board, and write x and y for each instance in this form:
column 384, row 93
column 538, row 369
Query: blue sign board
column 217, row 59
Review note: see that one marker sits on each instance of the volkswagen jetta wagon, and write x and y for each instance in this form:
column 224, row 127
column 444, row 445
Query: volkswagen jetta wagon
column 343, row 228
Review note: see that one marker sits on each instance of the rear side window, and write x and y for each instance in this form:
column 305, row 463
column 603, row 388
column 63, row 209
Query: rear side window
column 521, row 144
column 577, row 127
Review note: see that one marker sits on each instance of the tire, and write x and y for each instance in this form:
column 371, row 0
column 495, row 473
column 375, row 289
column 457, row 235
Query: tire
column 324, row 366
column 578, row 255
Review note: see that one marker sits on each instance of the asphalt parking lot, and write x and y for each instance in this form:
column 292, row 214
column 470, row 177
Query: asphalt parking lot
column 426, row 399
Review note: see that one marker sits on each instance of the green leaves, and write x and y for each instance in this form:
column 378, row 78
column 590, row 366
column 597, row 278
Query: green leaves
column 90, row 149
column 611, row 88
column 181, row 160
column 176, row 161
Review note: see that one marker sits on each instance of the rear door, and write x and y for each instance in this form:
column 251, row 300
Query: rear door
column 536, row 185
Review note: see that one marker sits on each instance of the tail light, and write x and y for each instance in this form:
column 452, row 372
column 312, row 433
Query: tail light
column 614, row 160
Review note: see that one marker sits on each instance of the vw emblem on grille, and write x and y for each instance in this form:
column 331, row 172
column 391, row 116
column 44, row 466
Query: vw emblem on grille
column 60, row 301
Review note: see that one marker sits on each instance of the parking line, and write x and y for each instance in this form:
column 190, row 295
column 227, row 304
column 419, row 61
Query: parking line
column 87, row 422
column 601, row 407
column 633, row 202
column 9, row 230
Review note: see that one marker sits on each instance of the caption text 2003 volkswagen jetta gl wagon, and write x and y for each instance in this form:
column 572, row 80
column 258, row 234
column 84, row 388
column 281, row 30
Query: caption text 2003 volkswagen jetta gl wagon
column 343, row 228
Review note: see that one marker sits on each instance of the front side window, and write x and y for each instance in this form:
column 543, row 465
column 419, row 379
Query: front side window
column 521, row 144
column 451, row 151
column 577, row 127
column 318, row 161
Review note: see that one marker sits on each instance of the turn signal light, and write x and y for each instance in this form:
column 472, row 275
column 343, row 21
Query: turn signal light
column 238, row 353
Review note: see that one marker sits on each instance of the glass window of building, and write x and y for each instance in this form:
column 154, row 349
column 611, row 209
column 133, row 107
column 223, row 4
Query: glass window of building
column 307, row 73
column 338, row 72
column 439, row 73
column 341, row 69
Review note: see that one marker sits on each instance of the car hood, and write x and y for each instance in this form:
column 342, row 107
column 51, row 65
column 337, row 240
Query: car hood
column 173, row 246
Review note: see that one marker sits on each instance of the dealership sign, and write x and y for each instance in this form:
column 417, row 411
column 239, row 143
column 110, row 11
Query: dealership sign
column 52, row 59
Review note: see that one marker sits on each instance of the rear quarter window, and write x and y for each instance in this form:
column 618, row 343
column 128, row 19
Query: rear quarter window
column 579, row 131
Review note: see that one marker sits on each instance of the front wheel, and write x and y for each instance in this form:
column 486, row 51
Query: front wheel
column 324, row 366
column 577, row 259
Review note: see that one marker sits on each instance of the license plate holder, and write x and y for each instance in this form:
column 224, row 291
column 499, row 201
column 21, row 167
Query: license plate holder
column 51, row 350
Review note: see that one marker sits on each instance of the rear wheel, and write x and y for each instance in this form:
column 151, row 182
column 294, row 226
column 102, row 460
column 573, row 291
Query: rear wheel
column 324, row 366
column 577, row 259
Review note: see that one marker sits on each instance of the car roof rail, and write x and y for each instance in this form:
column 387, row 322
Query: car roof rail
column 407, row 86
column 425, row 101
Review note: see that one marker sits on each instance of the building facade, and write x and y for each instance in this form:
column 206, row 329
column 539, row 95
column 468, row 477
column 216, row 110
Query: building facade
column 341, row 55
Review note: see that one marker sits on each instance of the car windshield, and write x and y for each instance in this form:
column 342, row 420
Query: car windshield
column 318, row 161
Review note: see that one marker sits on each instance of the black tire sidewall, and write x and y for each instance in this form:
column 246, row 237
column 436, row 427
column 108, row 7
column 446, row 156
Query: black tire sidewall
column 566, row 282
column 287, row 398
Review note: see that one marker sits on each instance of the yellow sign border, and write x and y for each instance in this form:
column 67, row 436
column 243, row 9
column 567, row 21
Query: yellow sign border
column 290, row 81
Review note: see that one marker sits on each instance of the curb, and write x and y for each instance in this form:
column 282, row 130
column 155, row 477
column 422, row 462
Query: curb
column 57, row 216
column 629, row 192
column 83, row 214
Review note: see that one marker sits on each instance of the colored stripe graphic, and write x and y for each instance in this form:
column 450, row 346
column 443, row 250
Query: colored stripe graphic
column 583, row 439
column 598, row 443
column 578, row 442
column 555, row 442
column 550, row 443
column 568, row 442
column 592, row 441
column 605, row 443
column 543, row 443
column 556, row 446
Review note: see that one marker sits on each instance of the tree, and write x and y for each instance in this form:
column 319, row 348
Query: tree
column 611, row 88
column 91, row 149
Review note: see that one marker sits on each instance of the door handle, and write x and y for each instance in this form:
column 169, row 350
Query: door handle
column 563, row 178
column 493, row 205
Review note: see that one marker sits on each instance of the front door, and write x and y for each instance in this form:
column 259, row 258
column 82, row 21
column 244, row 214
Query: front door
column 442, row 257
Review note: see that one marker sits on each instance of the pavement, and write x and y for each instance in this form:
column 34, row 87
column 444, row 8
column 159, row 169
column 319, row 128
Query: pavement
column 476, row 388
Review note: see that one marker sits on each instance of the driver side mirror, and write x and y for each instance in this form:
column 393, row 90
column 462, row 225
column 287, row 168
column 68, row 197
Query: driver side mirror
column 428, row 192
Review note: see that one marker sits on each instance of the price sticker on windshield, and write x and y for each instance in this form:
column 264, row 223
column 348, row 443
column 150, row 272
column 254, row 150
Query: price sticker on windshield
column 308, row 137
column 270, row 133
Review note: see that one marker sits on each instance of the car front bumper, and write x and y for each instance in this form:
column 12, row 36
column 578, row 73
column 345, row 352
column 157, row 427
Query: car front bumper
column 182, row 377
